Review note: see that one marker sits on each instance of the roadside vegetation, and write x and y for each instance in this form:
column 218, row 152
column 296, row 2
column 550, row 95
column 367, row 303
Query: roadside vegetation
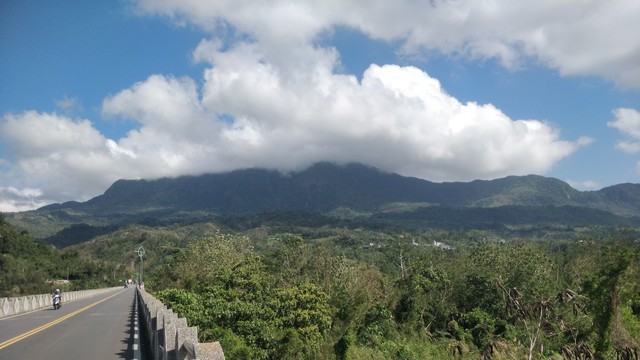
column 370, row 295
column 30, row 267
column 268, row 289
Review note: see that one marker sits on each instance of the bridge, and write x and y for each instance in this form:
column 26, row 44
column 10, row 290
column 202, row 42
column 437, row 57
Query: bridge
column 112, row 323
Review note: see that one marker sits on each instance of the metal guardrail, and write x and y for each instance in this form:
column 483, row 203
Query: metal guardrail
column 18, row 305
column 169, row 336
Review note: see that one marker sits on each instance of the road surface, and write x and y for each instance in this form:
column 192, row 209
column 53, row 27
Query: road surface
column 100, row 327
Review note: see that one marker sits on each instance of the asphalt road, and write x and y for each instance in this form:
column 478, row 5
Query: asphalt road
column 99, row 327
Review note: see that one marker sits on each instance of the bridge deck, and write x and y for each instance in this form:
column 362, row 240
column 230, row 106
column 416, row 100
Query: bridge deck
column 99, row 327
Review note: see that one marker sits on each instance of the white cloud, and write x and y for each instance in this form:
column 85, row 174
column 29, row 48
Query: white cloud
column 584, row 185
column 589, row 37
column 54, row 158
column 396, row 118
column 69, row 105
column 33, row 134
column 15, row 200
column 627, row 121
column 271, row 97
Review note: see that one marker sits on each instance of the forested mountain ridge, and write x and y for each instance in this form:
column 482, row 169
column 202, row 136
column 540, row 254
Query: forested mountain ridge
column 324, row 187
column 337, row 191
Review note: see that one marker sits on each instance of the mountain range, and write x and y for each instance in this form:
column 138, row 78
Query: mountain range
column 330, row 189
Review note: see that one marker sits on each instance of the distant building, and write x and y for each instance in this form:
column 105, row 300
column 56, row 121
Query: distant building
column 59, row 282
column 441, row 245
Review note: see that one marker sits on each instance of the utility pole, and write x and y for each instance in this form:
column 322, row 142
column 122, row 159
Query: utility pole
column 140, row 252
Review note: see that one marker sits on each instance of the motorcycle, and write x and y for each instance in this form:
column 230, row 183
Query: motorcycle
column 56, row 302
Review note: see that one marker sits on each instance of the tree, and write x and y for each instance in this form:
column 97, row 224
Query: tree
column 533, row 313
column 425, row 297
column 211, row 255
column 304, row 308
column 603, row 290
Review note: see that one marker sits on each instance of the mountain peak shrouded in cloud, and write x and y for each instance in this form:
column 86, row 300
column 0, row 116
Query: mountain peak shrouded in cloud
column 274, row 92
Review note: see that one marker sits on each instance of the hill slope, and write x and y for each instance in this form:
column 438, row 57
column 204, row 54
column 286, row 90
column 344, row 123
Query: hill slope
column 323, row 188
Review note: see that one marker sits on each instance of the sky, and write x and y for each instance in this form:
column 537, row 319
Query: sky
column 443, row 90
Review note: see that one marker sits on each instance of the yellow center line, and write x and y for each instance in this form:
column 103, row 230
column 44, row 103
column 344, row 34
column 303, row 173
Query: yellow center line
column 57, row 321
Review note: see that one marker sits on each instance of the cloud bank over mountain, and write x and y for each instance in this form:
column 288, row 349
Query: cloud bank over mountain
column 273, row 96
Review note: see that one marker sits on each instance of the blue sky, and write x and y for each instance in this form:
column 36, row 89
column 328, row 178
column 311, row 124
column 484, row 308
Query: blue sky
column 96, row 91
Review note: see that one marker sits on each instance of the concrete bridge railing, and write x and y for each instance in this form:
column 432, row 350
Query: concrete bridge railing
column 19, row 305
column 169, row 337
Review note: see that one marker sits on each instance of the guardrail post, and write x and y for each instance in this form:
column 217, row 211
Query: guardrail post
column 24, row 304
column 169, row 341
column 152, row 323
column 209, row 351
column 158, row 338
column 180, row 323
column 16, row 306
column 185, row 340
column 4, row 306
column 170, row 336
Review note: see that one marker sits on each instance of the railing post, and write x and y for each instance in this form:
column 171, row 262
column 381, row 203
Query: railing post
column 169, row 341
column 170, row 336
column 209, row 351
column 158, row 339
column 180, row 323
column 185, row 340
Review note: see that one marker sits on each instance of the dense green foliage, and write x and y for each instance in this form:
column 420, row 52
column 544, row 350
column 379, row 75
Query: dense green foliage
column 362, row 294
column 29, row 267
column 305, row 286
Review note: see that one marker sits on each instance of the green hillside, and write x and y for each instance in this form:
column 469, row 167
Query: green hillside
column 350, row 191
column 30, row 267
